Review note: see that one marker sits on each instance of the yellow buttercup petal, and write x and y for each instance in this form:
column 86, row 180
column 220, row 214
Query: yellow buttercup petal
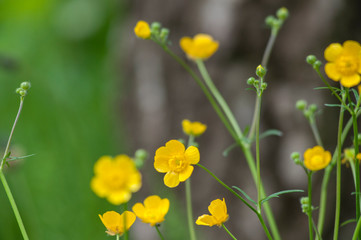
column 153, row 210
column 152, row 201
column 332, row 72
column 171, row 179
column 218, row 209
column 114, row 222
column 333, row 51
column 316, row 158
column 186, row 173
column 186, row 44
column 139, row 210
column 142, row 30
column 175, row 147
column 351, row 48
column 350, row 81
column 206, row 220
column 192, row 155
column 202, row 46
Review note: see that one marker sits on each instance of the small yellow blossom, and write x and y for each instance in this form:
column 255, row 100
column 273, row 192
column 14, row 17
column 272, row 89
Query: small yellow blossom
column 349, row 155
column 218, row 211
column 344, row 62
column 114, row 222
column 153, row 210
column 142, row 30
column 316, row 158
column 193, row 128
column 176, row 161
column 202, row 46
column 116, row 179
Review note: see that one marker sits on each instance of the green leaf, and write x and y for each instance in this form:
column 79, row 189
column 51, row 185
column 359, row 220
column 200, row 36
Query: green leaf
column 333, row 105
column 228, row 149
column 271, row 132
column 347, row 222
column 18, row 158
column 354, row 193
column 245, row 194
column 246, row 130
column 279, row 193
column 355, row 93
column 322, row 88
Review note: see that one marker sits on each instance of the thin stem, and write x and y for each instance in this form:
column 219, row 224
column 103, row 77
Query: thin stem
column 357, row 230
column 326, row 178
column 192, row 233
column 159, row 233
column 258, row 114
column 126, row 232
column 315, row 131
column 309, row 212
column 12, row 132
column 357, row 166
column 230, row 234
column 13, row 205
column 117, row 237
column 219, row 98
column 338, row 172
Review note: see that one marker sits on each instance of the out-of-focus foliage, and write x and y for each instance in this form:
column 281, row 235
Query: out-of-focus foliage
column 66, row 50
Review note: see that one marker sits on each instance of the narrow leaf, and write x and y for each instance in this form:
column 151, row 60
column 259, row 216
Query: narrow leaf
column 333, row 105
column 271, row 132
column 347, row 222
column 245, row 194
column 228, row 149
column 279, row 193
column 18, row 158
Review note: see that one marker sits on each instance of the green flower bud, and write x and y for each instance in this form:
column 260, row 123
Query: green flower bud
column 311, row 59
column 140, row 157
column 301, row 104
column 295, row 156
column 260, row 71
column 282, row 13
column 18, row 90
column 25, row 85
column 313, row 108
column 317, row 64
column 307, row 113
column 263, row 86
column 359, row 137
column 304, row 200
column 250, row 81
column 22, row 92
column 270, row 21
column 164, row 33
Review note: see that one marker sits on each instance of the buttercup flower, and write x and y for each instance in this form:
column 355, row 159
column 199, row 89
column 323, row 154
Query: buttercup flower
column 202, row 46
column 115, row 179
column 193, row 128
column 344, row 62
column 142, row 30
column 316, row 158
column 153, row 210
column 114, row 222
column 177, row 162
column 218, row 211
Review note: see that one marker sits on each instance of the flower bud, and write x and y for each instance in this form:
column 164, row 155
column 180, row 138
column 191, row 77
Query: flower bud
column 18, row 90
column 282, row 13
column 307, row 113
column 260, row 71
column 304, row 200
column 164, row 34
column 270, row 21
column 313, row 108
column 155, row 28
column 359, row 137
column 263, row 86
column 317, row 64
column 311, row 59
column 250, row 81
column 22, row 92
column 295, row 156
column 301, row 104
column 139, row 158
column 25, row 85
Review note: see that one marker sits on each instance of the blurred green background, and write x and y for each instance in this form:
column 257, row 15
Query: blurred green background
column 65, row 49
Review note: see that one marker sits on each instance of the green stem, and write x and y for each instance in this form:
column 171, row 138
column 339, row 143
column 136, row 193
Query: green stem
column 338, row 172
column 357, row 166
column 309, row 212
column 315, row 131
column 218, row 96
column 357, row 230
column 192, row 233
column 117, row 237
column 230, row 234
column 13, row 205
column 326, row 178
column 159, row 233
column 258, row 114
column 126, row 232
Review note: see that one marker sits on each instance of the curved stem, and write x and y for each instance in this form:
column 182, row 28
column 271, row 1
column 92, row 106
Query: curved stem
column 357, row 230
column 309, row 212
column 315, row 131
column 159, row 233
column 192, row 233
column 338, row 172
column 230, row 234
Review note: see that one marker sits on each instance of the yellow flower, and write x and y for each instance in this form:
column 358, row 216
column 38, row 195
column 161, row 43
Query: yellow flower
column 115, row 179
column 142, row 30
column 153, row 210
column 174, row 160
column 316, row 158
column 201, row 46
column 344, row 62
column 114, row 222
column 193, row 128
column 219, row 215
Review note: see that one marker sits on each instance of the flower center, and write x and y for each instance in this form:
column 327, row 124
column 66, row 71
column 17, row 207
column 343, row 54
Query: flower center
column 317, row 160
column 347, row 65
column 177, row 163
column 116, row 181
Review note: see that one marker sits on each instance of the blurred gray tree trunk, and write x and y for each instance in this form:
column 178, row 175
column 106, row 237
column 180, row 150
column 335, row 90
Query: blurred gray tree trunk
column 160, row 94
